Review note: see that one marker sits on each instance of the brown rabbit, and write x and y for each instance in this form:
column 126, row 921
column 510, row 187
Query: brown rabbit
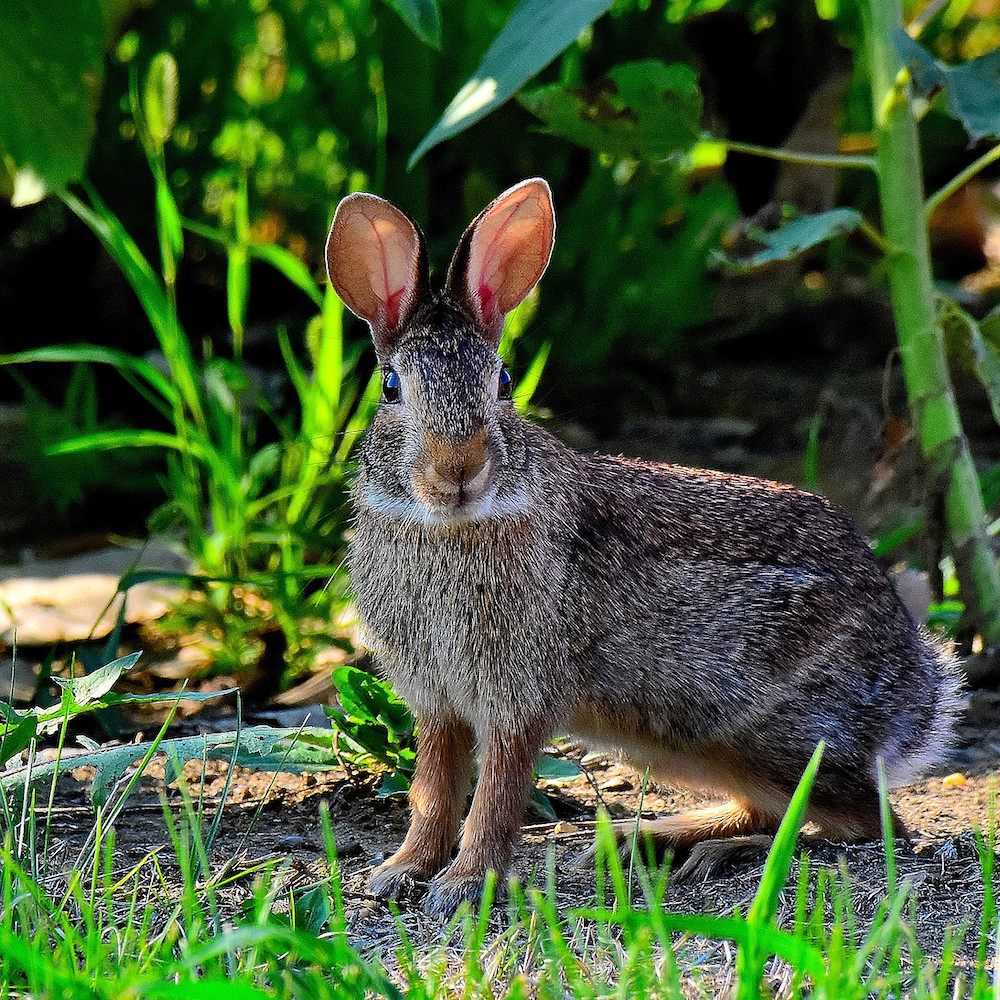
column 713, row 627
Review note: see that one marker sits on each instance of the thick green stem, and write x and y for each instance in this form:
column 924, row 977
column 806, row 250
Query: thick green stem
column 921, row 346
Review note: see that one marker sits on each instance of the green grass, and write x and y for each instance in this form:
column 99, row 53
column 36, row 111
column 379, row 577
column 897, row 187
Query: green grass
column 159, row 929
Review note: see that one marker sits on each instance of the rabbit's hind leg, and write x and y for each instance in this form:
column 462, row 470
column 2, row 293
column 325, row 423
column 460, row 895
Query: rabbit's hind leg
column 732, row 826
column 736, row 818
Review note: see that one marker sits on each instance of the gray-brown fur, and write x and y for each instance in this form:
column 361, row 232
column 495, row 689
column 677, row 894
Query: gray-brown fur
column 713, row 627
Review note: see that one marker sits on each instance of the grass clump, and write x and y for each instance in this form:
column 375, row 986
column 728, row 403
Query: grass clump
column 167, row 926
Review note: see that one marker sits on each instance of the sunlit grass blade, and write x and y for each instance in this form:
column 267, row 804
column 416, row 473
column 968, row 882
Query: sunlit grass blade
column 285, row 262
column 529, row 383
column 90, row 353
column 751, row 958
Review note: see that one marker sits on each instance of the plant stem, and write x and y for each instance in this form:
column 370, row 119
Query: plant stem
column 951, row 471
column 792, row 156
column 947, row 190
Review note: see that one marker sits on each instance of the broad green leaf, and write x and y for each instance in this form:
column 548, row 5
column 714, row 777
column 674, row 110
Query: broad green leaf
column 16, row 736
column 52, row 66
column 799, row 235
column 536, row 32
column 541, row 807
column 99, row 682
column 641, row 110
column 554, row 768
column 290, row 750
column 422, row 17
column 972, row 89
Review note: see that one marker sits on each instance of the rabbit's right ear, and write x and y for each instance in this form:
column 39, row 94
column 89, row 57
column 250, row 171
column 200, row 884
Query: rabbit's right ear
column 376, row 262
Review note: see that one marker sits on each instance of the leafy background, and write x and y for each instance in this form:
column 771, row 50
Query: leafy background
column 206, row 143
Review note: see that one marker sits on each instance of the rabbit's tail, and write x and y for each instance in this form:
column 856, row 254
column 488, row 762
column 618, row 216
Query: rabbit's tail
column 920, row 746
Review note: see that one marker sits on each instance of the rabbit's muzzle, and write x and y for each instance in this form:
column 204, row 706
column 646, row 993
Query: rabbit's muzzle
column 454, row 475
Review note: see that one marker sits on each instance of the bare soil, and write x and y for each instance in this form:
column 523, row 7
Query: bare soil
column 275, row 819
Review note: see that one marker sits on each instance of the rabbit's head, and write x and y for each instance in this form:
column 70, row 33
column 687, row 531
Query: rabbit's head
column 445, row 445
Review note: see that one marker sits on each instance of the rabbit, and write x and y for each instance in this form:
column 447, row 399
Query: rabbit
column 712, row 627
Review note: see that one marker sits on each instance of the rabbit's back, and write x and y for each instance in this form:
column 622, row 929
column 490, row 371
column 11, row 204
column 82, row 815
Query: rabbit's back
column 750, row 619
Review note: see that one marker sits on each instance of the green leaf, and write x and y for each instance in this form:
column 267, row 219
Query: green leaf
column 52, row 66
column 292, row 750
column 643, row 110
column 536, row 32
column 99, row 682
column 554, row 768
column 971, row 88
column 108, row 440
column 78, row 353
column 422, row 17
column 17, row 736
column 290, row 266
column 799, row 235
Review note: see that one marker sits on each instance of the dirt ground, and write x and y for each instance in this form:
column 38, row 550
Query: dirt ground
column 941, row 864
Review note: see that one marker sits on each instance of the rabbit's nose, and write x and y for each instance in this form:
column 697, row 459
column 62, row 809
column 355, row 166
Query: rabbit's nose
column 458, row 469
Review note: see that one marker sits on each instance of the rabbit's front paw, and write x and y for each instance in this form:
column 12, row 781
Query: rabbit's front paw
column 398, row 880
column 451, row 889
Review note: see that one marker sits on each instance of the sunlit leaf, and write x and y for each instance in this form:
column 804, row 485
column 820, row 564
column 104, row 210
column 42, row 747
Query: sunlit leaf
column 537, row 31
column 799, row 235
column 291, row 750
column 51, row 65
column 642, row 110
column 97, row 683
column 971, row 88
column 556, row 768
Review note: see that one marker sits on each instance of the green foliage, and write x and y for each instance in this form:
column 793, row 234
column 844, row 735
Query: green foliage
column 52, row 59
column 641, row 110
column 376, row 725
column 249, row 507
column 164, row 928
column 970, row 88
column 536, row 32
column 794, row 237
column 263, row 748
column 422, row 17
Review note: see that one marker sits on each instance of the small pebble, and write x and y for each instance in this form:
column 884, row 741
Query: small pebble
column 619, row 784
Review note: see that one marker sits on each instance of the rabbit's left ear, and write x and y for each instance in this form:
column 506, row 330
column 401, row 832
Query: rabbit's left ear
column 503, row 253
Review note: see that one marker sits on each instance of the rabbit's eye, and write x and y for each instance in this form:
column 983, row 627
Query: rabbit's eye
column 390, row 386
column 503, row 392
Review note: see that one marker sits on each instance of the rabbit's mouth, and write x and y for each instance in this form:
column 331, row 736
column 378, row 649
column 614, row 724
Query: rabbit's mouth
column 460, row 493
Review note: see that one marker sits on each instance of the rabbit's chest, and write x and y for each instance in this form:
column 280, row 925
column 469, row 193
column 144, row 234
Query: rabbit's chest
column 456, row 622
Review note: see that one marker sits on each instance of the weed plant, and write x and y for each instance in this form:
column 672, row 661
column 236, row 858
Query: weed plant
column 160, row 929
column 259, row 497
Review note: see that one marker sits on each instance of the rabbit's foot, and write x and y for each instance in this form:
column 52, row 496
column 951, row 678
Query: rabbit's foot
column 709, row 858
column 397, row 880
column 451, row 889
column 685, row 830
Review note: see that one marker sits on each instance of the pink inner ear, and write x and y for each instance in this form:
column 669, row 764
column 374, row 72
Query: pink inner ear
column 510, row 250
column 392, row 303
column 373, row 257
column 487, row 303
